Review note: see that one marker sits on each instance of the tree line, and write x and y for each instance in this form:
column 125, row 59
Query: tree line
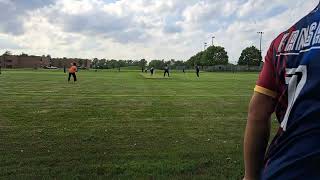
column 212, row 56
column 143, row 63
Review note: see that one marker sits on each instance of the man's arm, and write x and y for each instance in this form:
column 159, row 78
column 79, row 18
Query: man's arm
column 257, row 134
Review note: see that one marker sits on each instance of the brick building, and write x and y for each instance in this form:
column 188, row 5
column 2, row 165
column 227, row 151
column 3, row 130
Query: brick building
column 24, row 61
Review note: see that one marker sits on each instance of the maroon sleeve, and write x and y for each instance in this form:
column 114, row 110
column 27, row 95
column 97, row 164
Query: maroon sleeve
column 266, row 83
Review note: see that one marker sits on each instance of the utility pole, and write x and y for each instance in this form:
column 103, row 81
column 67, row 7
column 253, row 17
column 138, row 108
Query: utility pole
column 212, row 39
column 261, row 33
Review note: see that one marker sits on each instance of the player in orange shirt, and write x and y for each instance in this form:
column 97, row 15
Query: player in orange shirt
column 72, row 71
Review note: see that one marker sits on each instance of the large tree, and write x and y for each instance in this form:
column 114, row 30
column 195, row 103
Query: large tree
column 102, row 64
column 113, row 63
column 214, row 55
column 121, row 63
column 250, row 56
column 196, row 59
column 143, row 63
column 158, row 64
column 95, row 63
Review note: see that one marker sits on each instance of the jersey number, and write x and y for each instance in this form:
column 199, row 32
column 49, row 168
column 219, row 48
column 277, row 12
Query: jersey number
column 296, row 80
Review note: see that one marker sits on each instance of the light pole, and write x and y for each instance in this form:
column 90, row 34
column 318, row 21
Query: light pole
column 261, row 33
column 205, row 46
column 212, row 39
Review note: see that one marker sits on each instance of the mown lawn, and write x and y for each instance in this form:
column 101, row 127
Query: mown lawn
column 122, row 125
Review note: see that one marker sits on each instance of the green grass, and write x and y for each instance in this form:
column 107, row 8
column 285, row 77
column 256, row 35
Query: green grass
column 125, row 125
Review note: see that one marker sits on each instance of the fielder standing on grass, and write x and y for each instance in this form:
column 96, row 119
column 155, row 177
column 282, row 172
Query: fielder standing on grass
column 198, row 71
column 166, row 71
column 289, row 85
column 72, row 72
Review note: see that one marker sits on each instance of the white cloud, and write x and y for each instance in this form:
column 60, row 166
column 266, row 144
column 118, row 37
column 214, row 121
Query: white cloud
column 134, row 29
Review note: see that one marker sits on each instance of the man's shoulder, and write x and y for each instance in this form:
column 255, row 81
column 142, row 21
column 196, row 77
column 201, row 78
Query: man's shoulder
column 280, row 43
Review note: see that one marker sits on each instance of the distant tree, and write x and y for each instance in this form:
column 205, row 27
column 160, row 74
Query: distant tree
column 113, row 63
column 214, row 55
column 81, row 62
column 95, row 63
column 250, row 56
column 7, row 53
column 60, row 62
column 179, row 64
column 195, row 60
column 158, row 64
column 166, row 63
column 121, row 63
column 172, row 62
column 102, row 64
column 129, row 62
column 23, row 54
column 143, row 63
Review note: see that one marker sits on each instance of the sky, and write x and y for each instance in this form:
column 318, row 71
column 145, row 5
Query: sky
column 136, row 29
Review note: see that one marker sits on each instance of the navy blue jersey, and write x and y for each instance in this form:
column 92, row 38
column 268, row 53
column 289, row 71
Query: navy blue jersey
column 291, row 75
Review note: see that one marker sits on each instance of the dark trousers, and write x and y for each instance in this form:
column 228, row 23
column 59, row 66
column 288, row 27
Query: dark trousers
column 74, row 77
column 165, row 72
column 198, row 73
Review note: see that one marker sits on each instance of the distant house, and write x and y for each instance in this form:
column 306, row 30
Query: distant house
column 24, row 61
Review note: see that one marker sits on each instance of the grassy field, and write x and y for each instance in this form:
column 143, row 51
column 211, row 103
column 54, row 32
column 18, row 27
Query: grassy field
column 125, row 125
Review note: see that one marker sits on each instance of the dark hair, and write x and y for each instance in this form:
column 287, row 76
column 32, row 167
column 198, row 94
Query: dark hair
column 74, row 64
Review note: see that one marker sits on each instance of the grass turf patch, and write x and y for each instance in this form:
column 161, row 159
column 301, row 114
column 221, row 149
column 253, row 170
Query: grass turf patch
column 121, row 125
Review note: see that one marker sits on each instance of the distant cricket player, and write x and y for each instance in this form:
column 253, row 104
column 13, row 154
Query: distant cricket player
column 152, row 71
column 166, row 71
column 72, row 72
column 198, row 71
